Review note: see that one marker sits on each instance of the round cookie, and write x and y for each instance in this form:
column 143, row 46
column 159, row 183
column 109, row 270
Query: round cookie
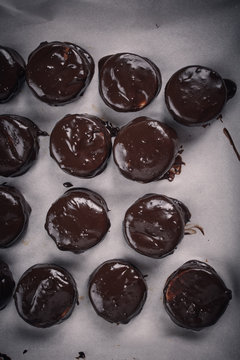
column 128, row 82
column 59, row 72
column 7, row 284
column 195, row 95
column 117, row 291
column 12, row 73
column 77, row 220
column 145, row 149
column 45, row 295
column 81, row 145
column 195, row 296
column 14, row 215
column 154, row 225
column 18, row 144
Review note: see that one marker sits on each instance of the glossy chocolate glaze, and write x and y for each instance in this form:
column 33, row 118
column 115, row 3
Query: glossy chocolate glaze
column 59, row 72
column 7, row 285
column 231, row 88
column 195, row 95
column 117, row 291
column 12, row 73
column 128, row 82
column 195, row 296
column 81, row 145
column 45, row 295
column 14, row 214
column 154, row 225
column 77, row 220
column 18, row 144
column 145, row 149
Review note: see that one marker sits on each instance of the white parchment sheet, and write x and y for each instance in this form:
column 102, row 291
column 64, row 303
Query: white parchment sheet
column 173, row 34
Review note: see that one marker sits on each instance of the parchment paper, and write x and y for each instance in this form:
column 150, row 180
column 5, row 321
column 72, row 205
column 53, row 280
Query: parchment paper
column 173, row 34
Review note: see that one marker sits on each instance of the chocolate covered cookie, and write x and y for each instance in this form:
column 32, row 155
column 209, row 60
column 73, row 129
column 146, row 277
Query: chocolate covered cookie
column 195, row 296
column 12, row 73
column 81, row 145
column 77, row 220
column 7, row 284
column 18, row 144
column 145, row 149
column 59, row 72
column 128, row 82
column 195, row 95
column 154, row 225
column 14, row 214
column 45, row 295
column 117, row 291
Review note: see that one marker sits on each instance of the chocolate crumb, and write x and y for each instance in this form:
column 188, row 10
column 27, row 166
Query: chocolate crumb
column 67, row 184
column 81, row 355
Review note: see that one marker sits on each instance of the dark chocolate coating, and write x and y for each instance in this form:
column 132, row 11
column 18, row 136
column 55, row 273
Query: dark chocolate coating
column 231, row 87
column 195, row 95
column 195, row 296
column 18, row 144
column 154, row 225
column 59, row 72
column 145, row 149
column 45, row 295
column 77, row 220
column 7, row 284
column 14, row 215
column 128, row 82
column 12, row 73
column 4, row 357
column 81, row 145
column 117, row 291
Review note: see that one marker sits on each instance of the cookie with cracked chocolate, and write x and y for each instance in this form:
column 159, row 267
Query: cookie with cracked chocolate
column 12, row 73
column 7, row 284
column 117, row 291
column 19, row 144
column 195, row 296
column 59, row 72
column 81, row 145
column 45, row 295
column 128, row 82
column 78, row 220
column 14, row 215
column 145, row 149
column 154, row 225
column 195, row 94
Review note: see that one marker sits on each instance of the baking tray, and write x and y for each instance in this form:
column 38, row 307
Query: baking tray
column 172, row 34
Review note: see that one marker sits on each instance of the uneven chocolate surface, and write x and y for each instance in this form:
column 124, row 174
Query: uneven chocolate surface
column 81, row 145
column 7, row 284
column 77, row 220
column 117, row 291
column 18, row 144
column 128, row 82
column 195, row 296
column 45, row 295
column 145, row 149
column 14, row 214
column 195, row 95
column 59, row 72
column 12, row 73
column 154, row 225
